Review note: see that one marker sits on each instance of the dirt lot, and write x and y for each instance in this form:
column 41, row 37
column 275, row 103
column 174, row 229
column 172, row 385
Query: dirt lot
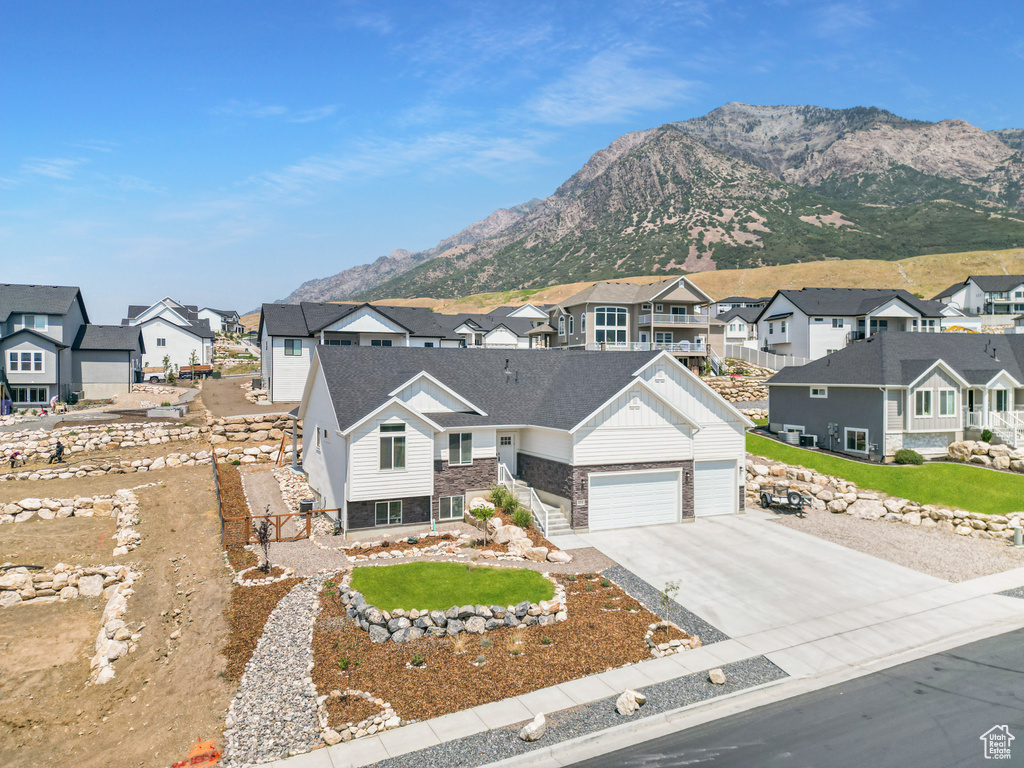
column 224, row 397
column 49, row 716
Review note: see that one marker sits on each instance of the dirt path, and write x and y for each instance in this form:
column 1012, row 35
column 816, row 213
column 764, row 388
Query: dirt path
column 49, row 717
column 224, row 397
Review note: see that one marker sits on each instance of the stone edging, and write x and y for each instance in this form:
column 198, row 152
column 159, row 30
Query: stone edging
column 386, row 720
column 840, row 496
column 239, row 577
column 401, row 626
column 672, row 646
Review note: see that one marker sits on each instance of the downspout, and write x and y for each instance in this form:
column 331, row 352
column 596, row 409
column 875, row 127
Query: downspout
column 885, row 417
column 295, row 444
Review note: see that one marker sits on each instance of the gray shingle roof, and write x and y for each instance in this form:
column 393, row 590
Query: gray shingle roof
column 896, row 359
column 38, row 299
column 997, row 283
column 222, row 312
column 949, row 291
column 41, row 336
column 747, row 314
column 852, row 301
column 109, row 337
column 556, row 389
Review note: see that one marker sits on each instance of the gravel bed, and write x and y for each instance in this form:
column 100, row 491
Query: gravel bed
column 1016, row 592
column 482, row 748
column 650, row 598
column 274, row 711
column 943, row 555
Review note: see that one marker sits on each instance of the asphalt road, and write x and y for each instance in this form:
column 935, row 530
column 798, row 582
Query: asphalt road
column 929, row 713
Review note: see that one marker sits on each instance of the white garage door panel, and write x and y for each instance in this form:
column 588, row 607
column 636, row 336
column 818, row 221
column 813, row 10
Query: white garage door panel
column 714, row 488
column 632, row 499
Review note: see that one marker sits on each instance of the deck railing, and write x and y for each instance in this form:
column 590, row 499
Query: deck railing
column 661, row 319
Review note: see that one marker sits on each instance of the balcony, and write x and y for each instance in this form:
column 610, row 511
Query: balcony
column 659, row 319
column 686, row 347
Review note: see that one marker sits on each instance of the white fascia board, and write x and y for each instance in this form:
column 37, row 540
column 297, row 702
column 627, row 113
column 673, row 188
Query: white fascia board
column 393, row 401
column 445, row 387
column 836, row 386
column 637, row 382
column 1016, row 384
column 681, row 279
column 948, row 369
column 700, row 382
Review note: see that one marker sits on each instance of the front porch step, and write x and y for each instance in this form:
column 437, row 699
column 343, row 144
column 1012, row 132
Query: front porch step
column 558, row 523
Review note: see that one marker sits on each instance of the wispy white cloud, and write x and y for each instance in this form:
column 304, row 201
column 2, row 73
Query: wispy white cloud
column 257, row 111
column 95, row 145
column 838, row 19
column 52, row 167
column 609, row 87
column 312, row 115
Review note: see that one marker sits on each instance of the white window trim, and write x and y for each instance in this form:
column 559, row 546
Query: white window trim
column 561, row 326
column 846, row 440
column 918, row 414
column 572, row 325
column 940, row 394
column 838, row 322
column 381, row 437
column 822, row 393
column 616, row 311
column 449, row 499
column 292, row 354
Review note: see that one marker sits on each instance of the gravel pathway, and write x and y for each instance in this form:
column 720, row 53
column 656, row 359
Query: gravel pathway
column 483, row 748
column 274, row 712
column 1017, row 592
column 650, row 598
column 946, row 556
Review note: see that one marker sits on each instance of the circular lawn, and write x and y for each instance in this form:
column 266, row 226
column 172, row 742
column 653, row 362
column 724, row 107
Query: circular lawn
column 439, row 586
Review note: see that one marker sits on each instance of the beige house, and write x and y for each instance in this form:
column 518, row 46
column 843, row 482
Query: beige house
column 671, row 316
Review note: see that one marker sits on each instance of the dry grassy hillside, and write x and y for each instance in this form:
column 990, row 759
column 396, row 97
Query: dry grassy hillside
column 923, row 275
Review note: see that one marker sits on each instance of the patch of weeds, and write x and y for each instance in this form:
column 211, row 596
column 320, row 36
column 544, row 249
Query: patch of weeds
column 609, row 606
column 236, row 463
column 460, row 644
column 546, row 640
column 571, row 577
column 417, row 659
column 481, row 659
column 605, row 583
column 589, row 587
column 514, row 644
column 486, row 642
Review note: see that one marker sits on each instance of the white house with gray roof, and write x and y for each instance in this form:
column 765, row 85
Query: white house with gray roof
column 901, row 390
column 813, row 322
column 398, row 437
column 49, row 349
column 174, row 331
column 986, row 295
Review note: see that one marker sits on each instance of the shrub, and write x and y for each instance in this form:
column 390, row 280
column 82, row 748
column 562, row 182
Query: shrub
column 500, row 496
column 546, row 640
column 413, row 540
column 165, row 403
column 481, row 659
column 486, row 642
column 417, row 659
column 907, row 456
column 986, row 435
column 571, row 577
column 483, row 514
column 605, row 583
column 522, row 517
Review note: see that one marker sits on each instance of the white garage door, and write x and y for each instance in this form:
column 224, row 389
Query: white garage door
column 714, row 488
column 628, row 499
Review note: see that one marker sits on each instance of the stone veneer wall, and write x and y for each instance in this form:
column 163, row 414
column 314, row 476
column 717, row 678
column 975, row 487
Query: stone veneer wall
column 415, row 509
column 570, row 482
column 456, row 480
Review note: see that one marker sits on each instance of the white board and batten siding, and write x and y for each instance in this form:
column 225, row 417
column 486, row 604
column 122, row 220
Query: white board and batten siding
column 501, row 337
column 332, row 452
column 289, row 371
column 629, row 499
column 634, row 427
column 366, row 320
column 425, row 396
column 366, row 479
column 485, row 445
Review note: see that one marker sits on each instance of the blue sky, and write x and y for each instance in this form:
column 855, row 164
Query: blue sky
column 225, row 152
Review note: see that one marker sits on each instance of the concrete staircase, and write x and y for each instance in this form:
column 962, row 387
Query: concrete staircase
column 558, row 523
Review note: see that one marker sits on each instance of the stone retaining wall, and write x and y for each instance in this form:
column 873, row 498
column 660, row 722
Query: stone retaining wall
column 755, row 413
column 39, row 443
column 737, row 389
column 239, row 429
column 987, row 455
column 401, row 626
column 843, row 497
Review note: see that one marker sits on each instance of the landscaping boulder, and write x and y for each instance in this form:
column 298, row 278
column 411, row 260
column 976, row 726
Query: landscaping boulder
column 867, row 509
column 398, row 624
column 838, row 506
column 558, row 556
column 522, row 608
column 717, row 676
column 537, row 554
column 373, row 615
column 378, row 634
column 407, row 634
column 629, row 701
column 476, row 625
column 90, row 586
column 438, row 618
column 466, row 611
column 454, row 626
column 534, row 729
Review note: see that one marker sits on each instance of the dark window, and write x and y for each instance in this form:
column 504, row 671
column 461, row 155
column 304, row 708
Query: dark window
column 460, row 448
column 392, row 446
column 380, row 342
column 388, row 513
column 293, row 347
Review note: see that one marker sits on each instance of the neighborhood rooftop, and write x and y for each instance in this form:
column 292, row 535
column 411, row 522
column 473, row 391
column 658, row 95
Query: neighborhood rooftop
column 624, row 292
column 853, row 301
column 556, row 390
column 109, row 337
column 898, row 359
column 37, row 299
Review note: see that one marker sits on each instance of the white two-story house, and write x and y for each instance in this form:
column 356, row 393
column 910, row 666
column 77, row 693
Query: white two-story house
column 400, row 437
column 172, row 331
column 986, row 295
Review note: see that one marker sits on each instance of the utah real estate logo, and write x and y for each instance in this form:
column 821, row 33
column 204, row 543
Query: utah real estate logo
column 997, row 742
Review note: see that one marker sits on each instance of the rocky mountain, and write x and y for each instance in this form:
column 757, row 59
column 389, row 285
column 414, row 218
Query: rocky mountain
column 366, row 277
column 744, row 186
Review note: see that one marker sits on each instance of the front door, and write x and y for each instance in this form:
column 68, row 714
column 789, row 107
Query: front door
column 507, row 450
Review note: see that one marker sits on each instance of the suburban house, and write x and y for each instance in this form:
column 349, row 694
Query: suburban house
column 741, row 326
column 814, row 322
column 670, row 315
column 288, row 334
column 900, row 390
column 221, row 320
column 595, row 441
column 174, row 331
column 986, row 295
column 722, row 306
column 48, row 348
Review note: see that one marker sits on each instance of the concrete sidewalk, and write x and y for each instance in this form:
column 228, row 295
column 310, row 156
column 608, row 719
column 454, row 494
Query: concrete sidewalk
column 852, row 640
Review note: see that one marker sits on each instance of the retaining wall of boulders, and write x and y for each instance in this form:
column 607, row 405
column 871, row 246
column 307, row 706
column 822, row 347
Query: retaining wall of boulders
column 843, row 497
column 21, row 586
column 401, row 626
column 123, row 506
column 755, row 413
column 239, row 429
column 738, row 389
column 39, row 443
column 987, row 455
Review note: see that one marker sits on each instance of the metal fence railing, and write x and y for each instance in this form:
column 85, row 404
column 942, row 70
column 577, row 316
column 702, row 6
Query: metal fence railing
column 764, row 359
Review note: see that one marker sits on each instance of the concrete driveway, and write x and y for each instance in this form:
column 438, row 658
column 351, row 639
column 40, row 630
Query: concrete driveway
column 745, row 575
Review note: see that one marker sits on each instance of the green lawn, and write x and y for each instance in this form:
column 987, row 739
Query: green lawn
column 957, row 486
column 439, row 586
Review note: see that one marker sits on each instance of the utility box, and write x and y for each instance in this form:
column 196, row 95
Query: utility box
column 305, row 506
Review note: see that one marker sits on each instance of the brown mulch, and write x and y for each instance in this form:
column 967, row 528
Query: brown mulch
column 248, row 611
column 341, row 712
column 600, row 633
column 402, row 545
column 241, row 558
column 232, row 496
